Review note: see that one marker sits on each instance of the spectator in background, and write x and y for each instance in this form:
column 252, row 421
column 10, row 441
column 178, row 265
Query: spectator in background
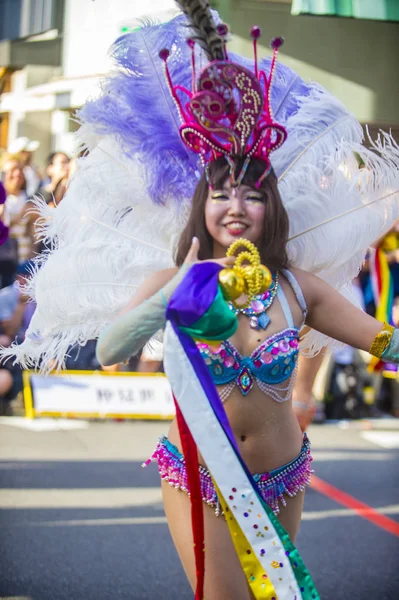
column 348, row 377
column 57, row 171
column 24, row 148
column 15, row 216
column 8, row 262
column 19, row 214
column 3, row 228
column 374, row 278
column 6, row 384
column 8, row 247
column 395, row 384
column 151, row 359
column 5, row 375
column 73, row 163
column 388, row 393
column 16, row 310
column 389, row 243
column 83, row 358
column 15, row 314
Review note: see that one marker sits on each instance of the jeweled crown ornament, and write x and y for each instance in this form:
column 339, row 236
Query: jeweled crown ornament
column 250, row 279
column 228, row 112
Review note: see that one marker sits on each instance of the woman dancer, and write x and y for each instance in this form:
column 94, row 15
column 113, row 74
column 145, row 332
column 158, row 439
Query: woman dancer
column 263, row 422
column 236, row 196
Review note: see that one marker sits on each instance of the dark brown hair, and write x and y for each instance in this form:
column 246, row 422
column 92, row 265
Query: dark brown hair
column 273, row 241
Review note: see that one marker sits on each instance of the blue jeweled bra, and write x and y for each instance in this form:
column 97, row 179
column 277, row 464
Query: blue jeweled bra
column 270, row 364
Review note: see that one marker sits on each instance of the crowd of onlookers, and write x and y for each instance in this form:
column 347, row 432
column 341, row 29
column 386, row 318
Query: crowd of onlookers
column 352, row 385
column 348, row 390
column 21, row 182
column 385, row 380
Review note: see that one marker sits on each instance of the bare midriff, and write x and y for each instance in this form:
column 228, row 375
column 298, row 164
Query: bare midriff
column 267, row 432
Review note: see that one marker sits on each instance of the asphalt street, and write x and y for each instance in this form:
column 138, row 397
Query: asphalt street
column 81, row 520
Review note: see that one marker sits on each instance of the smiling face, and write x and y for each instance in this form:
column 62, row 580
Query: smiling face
column 14, row 179
column 221, row 214
column 234, row 212
column 58, row 168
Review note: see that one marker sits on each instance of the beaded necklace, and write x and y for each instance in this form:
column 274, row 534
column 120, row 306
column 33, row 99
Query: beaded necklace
column 256, row 311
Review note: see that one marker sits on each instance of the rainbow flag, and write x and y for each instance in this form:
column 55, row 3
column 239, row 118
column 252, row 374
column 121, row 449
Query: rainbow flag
column 382, row 284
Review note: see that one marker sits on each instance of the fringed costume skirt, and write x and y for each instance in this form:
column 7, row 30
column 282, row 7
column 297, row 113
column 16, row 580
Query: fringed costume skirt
column 286, row 480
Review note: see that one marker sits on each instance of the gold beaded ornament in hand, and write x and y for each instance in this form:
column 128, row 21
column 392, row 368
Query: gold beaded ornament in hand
column 251, row 279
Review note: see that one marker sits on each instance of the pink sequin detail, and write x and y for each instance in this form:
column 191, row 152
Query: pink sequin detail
column 274, row 351
column 284, row 346
column 228, row 361
column 289, row 479
column 257, row 305
column 215, row 349
column 266, row 358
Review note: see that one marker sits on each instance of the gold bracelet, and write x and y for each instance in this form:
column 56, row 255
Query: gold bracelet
column 382, row 340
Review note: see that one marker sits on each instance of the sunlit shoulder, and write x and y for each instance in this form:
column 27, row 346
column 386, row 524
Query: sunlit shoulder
column 311, row 285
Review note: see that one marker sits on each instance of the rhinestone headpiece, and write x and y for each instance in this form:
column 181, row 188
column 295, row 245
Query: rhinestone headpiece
column 228, row 112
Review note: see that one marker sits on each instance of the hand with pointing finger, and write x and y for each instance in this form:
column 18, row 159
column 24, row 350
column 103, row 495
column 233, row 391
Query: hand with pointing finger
column 192, row 256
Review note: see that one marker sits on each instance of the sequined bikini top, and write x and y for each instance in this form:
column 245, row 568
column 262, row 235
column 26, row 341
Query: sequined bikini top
column 270, row 365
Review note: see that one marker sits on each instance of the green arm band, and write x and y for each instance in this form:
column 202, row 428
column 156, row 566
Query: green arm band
column 391, row 352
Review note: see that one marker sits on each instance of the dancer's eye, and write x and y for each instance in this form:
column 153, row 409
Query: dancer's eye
column 254, row 197
column 220, row 196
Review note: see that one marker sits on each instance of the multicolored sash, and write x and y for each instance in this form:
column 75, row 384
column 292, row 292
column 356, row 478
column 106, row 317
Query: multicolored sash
column 271, row 563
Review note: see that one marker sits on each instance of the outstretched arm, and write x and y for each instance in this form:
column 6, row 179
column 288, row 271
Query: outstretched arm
column 143, row 316
column 332, row 314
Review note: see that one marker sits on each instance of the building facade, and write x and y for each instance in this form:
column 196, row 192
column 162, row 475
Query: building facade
column 53, row 56
column 355, row 59
column 54, row 53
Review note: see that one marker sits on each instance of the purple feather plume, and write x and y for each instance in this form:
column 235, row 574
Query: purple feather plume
column 137, row 107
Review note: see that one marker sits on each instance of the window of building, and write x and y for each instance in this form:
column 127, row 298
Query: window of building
column 10, row 16
column 23, row 18
column 38, row 16
column 385, row 10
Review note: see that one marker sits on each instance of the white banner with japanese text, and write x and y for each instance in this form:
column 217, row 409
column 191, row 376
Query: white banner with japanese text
column 98, row 394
